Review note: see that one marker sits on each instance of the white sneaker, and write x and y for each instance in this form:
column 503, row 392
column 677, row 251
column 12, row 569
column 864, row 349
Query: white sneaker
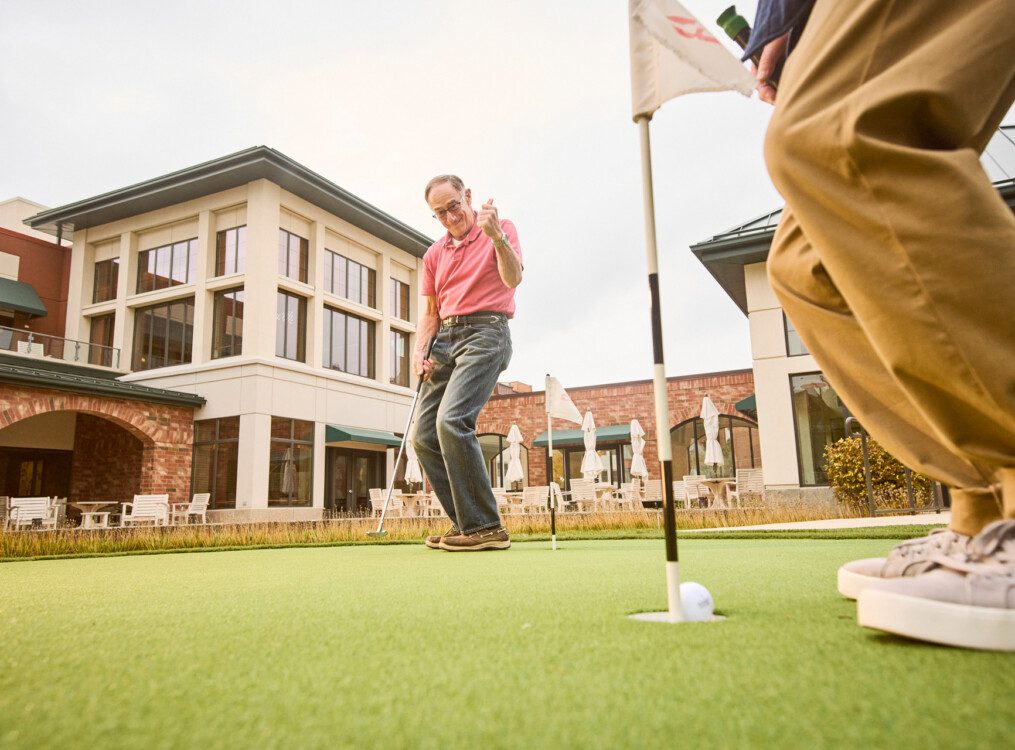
column 910, row 558
column 966, row 601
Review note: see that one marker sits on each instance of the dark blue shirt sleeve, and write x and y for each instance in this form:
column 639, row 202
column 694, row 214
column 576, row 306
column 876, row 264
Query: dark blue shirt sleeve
column 773, row 19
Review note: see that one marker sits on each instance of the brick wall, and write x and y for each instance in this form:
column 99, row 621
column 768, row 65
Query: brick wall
column 126, row 447
column 616, row 403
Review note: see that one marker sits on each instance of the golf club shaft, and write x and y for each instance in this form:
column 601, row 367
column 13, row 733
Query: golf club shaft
column 405, row 437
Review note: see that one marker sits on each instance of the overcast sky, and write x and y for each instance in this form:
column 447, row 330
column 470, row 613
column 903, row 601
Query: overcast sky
column 528, row 101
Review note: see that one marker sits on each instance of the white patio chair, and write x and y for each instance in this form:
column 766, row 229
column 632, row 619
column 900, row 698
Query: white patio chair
column 679, row 494
column 748, row 481
column 434, row 507
column 26, row 511
column 395, row 508
column 144, row 509
column 500, row 495
column 695, row 493
column 198, row 506
column 653, row 490
column 534, row 499
column 629, row 495
column 583, row 492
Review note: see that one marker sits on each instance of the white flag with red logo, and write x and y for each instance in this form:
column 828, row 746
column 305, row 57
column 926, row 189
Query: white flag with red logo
column 559, row 404
column 673, row 54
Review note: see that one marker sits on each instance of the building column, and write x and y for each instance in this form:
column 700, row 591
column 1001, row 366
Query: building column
column 260, row 286
column 123, row 323
column 384, row 329
column 315, row 305
column 252, row 461
column 201, row 344
column 317, row 484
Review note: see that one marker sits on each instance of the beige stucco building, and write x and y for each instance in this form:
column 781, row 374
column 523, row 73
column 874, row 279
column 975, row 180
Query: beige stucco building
column 285, row 302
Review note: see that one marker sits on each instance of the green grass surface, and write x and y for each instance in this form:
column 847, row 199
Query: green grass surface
column 400, row 646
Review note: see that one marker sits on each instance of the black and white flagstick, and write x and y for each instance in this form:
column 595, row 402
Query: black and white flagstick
column 662, row 411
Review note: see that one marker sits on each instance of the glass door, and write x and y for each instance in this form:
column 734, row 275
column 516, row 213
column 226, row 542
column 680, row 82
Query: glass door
column 349, row 476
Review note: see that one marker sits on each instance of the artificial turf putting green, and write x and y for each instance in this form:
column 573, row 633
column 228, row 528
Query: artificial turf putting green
column 400, row 646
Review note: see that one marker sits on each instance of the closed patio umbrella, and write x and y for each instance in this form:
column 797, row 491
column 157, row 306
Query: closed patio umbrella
column 515, row 472
column 592, row 465
column 710, row 416
column 288, row 472
column 413, row 472
column 638, row 467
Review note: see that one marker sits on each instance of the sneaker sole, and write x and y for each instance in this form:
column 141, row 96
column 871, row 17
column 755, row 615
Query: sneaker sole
column 851, row 584
column 963, row 625
column 477, row 547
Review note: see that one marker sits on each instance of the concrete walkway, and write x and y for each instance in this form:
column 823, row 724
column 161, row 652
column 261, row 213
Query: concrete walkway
column 918, row 519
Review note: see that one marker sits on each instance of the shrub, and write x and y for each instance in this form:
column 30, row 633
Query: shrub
column 844, row 467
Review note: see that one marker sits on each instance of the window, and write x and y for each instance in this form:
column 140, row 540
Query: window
column 216, row 447
column 348, row 343
column 290, row 463
column 163, row 334
column 399, row 358
column 349, row 279
column 100, row 339
column 106, row 274
column 818, row 420
column 497, row 457
column 231, row 251
column 166, row 266
column 293, row 252
column 399, row 292
column 794, row 346
column 227, row 323
column 737, row 437
column 291, row 327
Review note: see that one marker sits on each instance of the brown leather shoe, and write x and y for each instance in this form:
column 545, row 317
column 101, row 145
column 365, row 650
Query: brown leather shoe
column 434, row 542
column 495, row 538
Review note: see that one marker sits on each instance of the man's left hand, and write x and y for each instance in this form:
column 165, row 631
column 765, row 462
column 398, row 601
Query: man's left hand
column 489, row 221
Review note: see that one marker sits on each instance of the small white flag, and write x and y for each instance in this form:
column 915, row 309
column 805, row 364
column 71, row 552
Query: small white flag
column 559, row 404
column 673, row 54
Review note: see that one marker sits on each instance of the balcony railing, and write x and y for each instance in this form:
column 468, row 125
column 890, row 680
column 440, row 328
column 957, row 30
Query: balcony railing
column 68, row 350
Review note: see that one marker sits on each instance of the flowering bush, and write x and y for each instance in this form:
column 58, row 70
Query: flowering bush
column 844, row 467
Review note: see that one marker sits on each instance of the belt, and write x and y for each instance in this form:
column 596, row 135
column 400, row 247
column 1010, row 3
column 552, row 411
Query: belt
column 460, row 320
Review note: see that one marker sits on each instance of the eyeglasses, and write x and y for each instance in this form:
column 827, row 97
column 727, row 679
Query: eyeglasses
column 442, row 213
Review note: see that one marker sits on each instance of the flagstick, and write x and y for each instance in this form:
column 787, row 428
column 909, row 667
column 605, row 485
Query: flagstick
column 553, row 500
column 659, row 380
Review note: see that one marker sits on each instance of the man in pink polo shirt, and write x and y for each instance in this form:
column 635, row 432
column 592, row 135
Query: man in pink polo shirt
column 469, row 280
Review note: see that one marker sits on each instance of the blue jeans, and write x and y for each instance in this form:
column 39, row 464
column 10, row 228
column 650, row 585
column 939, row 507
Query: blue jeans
column 467, row 359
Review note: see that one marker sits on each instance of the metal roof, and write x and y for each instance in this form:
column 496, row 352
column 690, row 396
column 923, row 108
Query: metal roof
column 608, row 434
column 72, row 379
column 726, row 254
column 225, row 173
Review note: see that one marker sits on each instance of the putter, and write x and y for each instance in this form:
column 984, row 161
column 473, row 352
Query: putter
column 380, row 532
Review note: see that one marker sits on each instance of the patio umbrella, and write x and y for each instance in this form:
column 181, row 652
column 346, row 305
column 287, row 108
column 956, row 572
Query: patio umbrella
column 288, row 472
column 638, row 467
column 413, row 472
column 514, row 472
column 592, row 465
column 710, row 416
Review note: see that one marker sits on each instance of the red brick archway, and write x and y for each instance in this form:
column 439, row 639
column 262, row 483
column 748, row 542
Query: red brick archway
column 121, row 447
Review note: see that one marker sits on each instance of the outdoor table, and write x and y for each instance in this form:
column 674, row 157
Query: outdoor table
column 717, row 488
column 604, row 491
column 91, row 517
column 414, row 501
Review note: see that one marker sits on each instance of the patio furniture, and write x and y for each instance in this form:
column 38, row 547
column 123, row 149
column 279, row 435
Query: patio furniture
column 679, row 494
column 92, row 514
column 198, row 506
column 693, row 488
column 434, row 507
column 534, row 499
column 653, row 491
column 716, row 488
column 748, row 481
column 31, row 511
column 500, row 495
column 583, row 492
column 629, row 495
column 152, row 509
column 395, row 508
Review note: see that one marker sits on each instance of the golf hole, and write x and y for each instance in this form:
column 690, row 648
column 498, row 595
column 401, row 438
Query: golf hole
column 665, row 617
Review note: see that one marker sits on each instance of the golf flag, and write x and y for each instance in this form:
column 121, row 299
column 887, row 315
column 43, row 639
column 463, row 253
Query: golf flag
column 559, row 404
column 673, row 54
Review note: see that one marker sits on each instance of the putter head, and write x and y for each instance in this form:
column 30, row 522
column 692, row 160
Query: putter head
column 377, row 534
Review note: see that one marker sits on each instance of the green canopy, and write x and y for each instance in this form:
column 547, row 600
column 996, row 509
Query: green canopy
column 747, row 404
column 610, row 434
column 20, row 296
column 342, row 434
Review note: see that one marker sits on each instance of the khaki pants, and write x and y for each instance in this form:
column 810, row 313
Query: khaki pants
column 895, row 257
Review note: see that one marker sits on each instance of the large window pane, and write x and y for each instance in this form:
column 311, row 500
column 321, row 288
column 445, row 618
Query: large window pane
column 106, row 275
column 819, row 421
column 101, row 339
column 166, row 266
column 399, row 293
column 290, row 328
column 794, row 345
column 290, row 462
column 399, row 357
column 351, row 345
column 230, row 249
column 216, row 450
column 163, row 334
column 227, row 325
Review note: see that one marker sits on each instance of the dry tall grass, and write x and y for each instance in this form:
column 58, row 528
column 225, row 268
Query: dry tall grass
column 72, row 541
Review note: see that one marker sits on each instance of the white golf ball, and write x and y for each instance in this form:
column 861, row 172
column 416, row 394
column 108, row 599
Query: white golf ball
column 696, row 602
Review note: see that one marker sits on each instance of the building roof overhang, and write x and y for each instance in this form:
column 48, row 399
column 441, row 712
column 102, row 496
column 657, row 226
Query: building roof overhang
column 225, row 173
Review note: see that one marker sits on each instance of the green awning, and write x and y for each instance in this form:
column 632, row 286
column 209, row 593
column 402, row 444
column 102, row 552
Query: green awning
column 747, row 404
column 20, row 296
column 614, row 433
column 342, row 434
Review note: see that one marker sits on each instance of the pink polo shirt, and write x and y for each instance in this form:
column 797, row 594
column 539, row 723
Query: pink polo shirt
column 465, row 279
